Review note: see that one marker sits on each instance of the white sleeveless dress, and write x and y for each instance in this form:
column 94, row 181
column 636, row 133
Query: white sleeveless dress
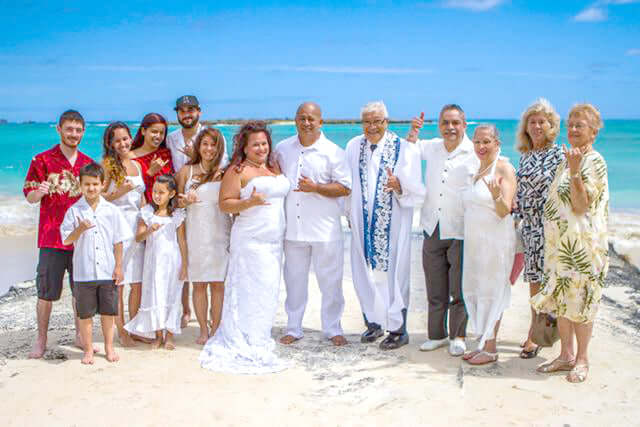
column 129, row 204
column 208, row 231
column 161, row 301
column 489, row 248
column 243, row 344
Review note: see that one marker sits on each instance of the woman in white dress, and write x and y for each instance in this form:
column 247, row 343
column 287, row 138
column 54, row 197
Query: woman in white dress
column 254, row 189
column 208, row 227
column 125, row 188
column 489, row 244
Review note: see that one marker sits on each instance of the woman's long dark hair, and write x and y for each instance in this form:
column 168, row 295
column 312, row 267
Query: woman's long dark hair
column 173, row 186
column 147, row 121
column 196, row 158
column 240, row 140
column 113, row 164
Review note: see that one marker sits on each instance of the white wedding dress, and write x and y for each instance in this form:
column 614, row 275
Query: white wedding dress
column 489, row 248
column 243, row 344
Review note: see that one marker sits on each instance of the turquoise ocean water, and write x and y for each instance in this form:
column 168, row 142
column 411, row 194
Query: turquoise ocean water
column 618, row 142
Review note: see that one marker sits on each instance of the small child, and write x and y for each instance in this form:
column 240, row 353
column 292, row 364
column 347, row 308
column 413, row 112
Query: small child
column 96, row 228
column 165, row 266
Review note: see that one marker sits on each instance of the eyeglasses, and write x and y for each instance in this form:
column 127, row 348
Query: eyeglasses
column 367, row 123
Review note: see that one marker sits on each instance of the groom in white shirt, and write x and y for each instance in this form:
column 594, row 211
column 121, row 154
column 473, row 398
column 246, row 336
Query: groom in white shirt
column 451, row 164
column 319, row 177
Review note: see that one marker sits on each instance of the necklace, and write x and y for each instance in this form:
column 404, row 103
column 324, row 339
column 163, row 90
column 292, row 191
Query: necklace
column 480, row 173
column 254, row 164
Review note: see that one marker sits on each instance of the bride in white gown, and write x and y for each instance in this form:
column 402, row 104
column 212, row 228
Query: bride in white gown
column 254, row 190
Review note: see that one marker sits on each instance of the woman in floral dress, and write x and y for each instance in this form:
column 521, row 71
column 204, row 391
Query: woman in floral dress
column 576, row 257
column 537, row 131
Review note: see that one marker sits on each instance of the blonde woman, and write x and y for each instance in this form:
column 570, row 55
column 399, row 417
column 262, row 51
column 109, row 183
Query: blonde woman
column 539, row 159
column 576, row 257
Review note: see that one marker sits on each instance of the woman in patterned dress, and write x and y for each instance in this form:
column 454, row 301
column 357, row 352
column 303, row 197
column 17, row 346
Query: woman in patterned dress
column 540, row 156
column 576, row 257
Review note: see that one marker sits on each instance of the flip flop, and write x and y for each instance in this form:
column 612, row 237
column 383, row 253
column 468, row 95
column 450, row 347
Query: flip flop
column 492, row 358
column 530, row 354
column 555, row 366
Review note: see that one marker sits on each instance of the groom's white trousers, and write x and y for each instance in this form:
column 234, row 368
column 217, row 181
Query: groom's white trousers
column 328, row 263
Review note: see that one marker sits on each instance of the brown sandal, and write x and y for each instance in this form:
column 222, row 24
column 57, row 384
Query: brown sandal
column 556, row 365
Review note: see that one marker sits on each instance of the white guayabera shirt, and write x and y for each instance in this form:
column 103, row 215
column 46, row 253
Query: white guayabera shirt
column 448, row 175
column 176, row 144
column 312, row 217
column 93, row 257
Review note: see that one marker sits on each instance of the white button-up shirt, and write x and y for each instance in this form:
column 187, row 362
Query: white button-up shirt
column 448, row 175
column 93, row 257
column 312, row 217
column 176, row 144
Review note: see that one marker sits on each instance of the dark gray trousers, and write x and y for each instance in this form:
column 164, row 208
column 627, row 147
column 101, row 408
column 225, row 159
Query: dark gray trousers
column 442, row 264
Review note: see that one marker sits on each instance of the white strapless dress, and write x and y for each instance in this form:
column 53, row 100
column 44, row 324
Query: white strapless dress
column 129, row 204
column 243, row 344
column 207, row 234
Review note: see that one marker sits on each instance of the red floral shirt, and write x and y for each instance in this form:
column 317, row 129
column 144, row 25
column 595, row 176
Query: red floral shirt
column 52, row 166
column 145, row 161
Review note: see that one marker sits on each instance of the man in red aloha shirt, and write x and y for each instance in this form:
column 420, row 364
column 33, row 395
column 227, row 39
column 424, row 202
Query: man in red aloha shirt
column 52, row 181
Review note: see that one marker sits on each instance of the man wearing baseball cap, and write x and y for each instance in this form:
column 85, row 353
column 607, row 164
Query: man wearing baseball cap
column 181, row 140
column 180, row 143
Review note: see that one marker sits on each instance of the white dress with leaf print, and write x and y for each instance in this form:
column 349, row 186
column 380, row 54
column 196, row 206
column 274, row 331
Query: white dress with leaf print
column 576, row 257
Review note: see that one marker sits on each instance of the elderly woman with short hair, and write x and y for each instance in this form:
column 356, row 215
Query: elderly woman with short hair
column 538, row 128
column 576, row 257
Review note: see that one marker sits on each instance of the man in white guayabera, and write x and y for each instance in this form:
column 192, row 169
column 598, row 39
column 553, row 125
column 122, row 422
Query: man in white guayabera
column 319, row 178
column 385, row 171
column 180, row 143
column 451, row 164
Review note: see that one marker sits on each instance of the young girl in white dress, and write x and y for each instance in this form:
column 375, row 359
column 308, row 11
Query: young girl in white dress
column 208, row 227
column 489, row 244
column 161, row 225
column 125, row 188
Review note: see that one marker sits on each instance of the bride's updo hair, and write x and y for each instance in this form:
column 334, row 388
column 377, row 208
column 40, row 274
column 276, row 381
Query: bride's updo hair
column 240, row 140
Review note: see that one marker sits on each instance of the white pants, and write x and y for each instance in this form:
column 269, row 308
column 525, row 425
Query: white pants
column 328, row 264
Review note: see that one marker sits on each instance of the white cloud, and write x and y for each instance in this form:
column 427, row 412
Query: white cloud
column 591, row 14
column 598, row 11
column 633, row 52
column 349, row 70
column 474, row 5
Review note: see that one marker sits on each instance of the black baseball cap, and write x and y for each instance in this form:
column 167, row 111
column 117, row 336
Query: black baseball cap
column 187, row 101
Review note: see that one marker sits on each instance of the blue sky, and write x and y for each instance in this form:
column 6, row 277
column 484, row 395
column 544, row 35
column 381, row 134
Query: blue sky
column 120, row 60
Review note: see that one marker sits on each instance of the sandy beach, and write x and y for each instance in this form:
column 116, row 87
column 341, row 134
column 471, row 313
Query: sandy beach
column 353, row 385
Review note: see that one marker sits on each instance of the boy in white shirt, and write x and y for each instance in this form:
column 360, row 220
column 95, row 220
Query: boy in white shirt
column 96, row 228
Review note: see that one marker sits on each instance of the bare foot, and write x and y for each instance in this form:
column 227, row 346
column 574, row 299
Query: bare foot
column 126, row 340
column 288, row 339
column 185, row 320
column 168, row 344
column 339, row 340
column 78, row 344
column 87, row 359
column 155, row 344
column 202, row 339
column 38, row 349
column 141, row 339
column 111, row 355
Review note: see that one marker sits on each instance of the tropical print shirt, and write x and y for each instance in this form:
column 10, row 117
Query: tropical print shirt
column 64, row 190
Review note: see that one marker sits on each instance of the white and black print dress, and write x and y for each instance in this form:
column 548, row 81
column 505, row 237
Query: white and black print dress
column 536, row 171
